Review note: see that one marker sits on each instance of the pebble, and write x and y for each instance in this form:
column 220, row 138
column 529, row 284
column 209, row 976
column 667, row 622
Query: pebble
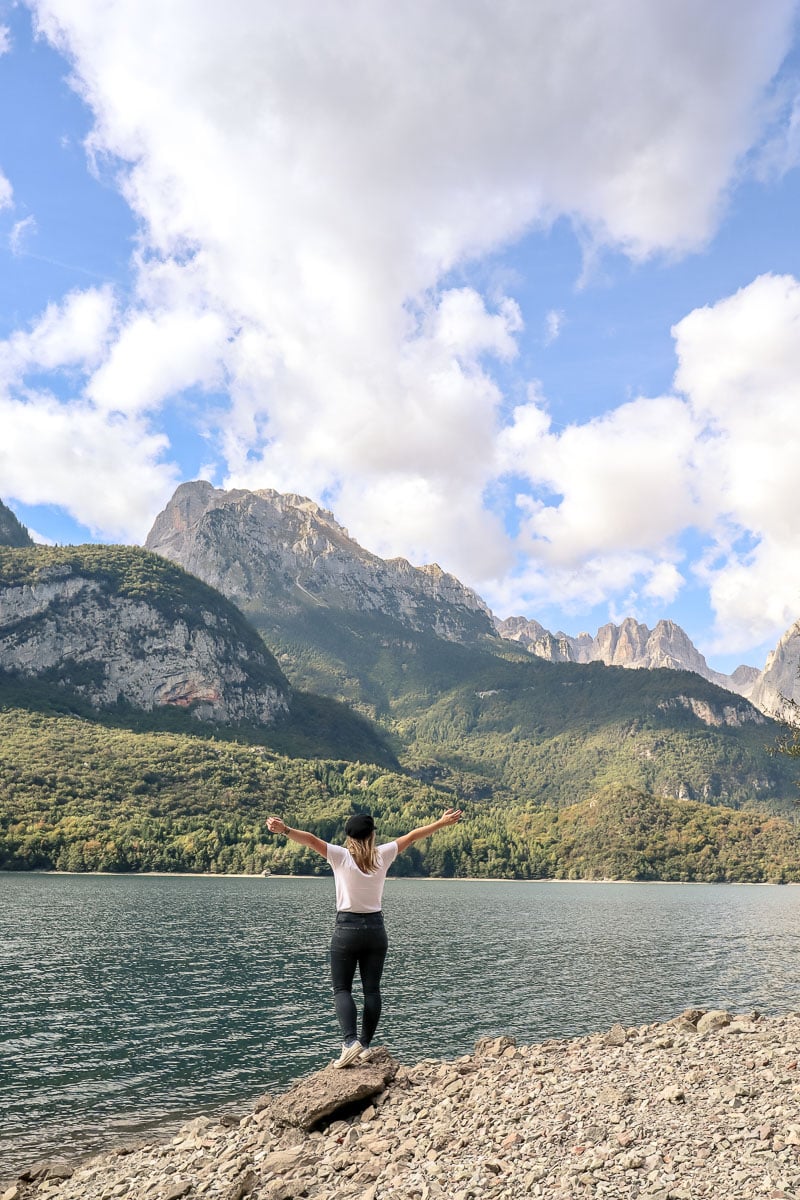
column 676, row 1111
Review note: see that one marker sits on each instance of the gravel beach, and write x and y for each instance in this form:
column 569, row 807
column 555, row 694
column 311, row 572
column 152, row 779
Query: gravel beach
column 706, row 1105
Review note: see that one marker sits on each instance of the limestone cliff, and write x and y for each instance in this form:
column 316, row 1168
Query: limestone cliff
column 264, row 549
column 116, row 624
column 779, row 682
column 733, row 715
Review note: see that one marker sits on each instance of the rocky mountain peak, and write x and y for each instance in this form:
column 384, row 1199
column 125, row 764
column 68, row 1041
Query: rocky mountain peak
column 630, row 644
column 263, row 548
column 779, row 682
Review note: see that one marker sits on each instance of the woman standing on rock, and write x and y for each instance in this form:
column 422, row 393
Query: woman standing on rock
column 359, row 937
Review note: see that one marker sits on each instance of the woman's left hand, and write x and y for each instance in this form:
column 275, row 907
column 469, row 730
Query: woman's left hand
column 451, row 816
column 276, row 825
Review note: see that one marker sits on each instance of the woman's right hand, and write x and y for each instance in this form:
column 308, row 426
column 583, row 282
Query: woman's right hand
column 276, row 825
column 451, row 816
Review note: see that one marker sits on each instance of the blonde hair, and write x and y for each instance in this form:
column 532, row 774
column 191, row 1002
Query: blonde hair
column 364, row 852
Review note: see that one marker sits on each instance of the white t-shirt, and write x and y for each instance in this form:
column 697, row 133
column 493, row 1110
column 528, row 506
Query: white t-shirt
column 355, row 891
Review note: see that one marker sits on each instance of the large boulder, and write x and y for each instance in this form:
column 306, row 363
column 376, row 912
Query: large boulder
column 325, row 1092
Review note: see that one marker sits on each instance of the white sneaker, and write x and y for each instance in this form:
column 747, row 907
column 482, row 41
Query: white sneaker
column 349, row 1054
column 365, row 1055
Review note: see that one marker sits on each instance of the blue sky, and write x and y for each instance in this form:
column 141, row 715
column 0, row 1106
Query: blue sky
column 514, row 290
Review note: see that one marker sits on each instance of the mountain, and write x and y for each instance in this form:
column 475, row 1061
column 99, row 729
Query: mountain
column 779, row 682
column 630, row 644
column 12, row 531
column 272, row 549
column 464, row 707
column 117, row 625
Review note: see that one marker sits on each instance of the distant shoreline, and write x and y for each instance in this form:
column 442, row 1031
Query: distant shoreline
column 391, row 879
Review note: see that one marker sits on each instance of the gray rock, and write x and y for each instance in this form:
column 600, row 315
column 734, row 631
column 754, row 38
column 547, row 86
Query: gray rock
column 177, row 1191
column 629, row 644
column 493, row 1047
column 616, row 1036
column 627, row 1129
column 325, row 1092
column 717, row 1018
column 41, row 1171
column 241, row 1186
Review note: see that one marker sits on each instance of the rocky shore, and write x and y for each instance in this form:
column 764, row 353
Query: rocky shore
column 706, row 1105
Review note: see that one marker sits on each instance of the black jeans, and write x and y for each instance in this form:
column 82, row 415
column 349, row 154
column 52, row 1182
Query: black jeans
column 359, row 940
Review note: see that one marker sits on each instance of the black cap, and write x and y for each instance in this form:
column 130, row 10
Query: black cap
column 359, row 826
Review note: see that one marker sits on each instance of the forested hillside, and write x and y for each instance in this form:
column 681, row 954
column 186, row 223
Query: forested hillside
column 492, row 720
column 12, row 531
column 75, row 795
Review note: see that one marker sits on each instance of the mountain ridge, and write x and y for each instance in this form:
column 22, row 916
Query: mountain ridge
column 315, row 559
column 297, row 554
column 472, row 710
column 630, row 644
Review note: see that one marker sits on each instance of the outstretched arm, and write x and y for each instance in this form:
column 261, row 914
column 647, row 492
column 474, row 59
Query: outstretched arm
column 451, row 817
column 276, row 825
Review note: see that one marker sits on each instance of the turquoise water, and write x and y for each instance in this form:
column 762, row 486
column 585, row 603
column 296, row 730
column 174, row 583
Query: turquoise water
column 128, row 1002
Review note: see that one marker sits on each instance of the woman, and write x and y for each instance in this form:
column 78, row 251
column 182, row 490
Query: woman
column 359, row 938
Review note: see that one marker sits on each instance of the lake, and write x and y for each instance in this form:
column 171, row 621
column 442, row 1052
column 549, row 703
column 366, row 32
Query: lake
column 132, row 1002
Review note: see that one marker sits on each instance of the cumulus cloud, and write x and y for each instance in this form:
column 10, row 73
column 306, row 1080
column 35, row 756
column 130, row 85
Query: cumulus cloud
column 104, row 468
column 105, row 472
column 739, row 366
column 621, row 481
column 306, row 176
column 72, row 333
column 156, row 355
column 609, row 500
column 591, row 581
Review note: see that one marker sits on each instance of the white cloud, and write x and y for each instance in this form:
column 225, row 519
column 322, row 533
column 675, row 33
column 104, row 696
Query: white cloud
column 74, row 333
column 20, row 232
column 5, row 39
column 40, row 538
column 739, row 365
column 553, row 324
column 592, row 581
column 623, row 481
column 105, row 472
column 610, row 499
column 156, row 355
column 105, row 469
column 6, row 192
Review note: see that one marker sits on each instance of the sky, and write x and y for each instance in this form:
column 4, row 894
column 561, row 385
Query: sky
column 508, row 285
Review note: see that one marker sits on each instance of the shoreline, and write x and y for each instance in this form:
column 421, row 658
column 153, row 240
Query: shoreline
column 400, row 879
column 703, row 1105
